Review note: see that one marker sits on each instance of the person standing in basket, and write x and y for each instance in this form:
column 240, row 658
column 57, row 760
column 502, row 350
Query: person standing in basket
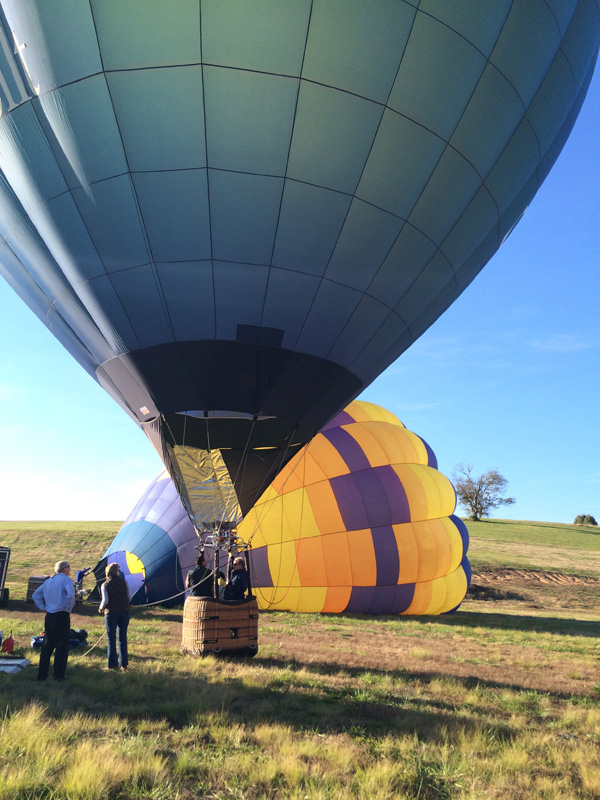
column 200, row 579
column 116, row 598
column 237, row 586
column 56, row 597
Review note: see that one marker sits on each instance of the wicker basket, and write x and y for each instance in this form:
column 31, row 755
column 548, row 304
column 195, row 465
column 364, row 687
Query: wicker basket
column 214, row 626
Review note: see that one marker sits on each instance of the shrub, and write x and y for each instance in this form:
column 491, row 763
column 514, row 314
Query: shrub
column 585, row 519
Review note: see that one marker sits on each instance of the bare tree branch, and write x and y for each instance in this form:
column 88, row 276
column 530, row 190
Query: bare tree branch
column 480, row 495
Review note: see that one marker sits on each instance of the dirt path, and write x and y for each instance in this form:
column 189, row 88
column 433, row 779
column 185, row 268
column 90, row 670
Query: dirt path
column 531, row 576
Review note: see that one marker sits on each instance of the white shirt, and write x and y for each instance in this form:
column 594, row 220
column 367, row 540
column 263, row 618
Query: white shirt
column 55, row 594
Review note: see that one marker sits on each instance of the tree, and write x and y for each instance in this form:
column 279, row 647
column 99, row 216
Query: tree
column 479, row 496
column 585, row 519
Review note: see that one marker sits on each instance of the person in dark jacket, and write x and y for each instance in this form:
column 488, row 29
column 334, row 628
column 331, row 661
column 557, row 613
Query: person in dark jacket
column 200, row 579
column 116, row 598
column 238, row 584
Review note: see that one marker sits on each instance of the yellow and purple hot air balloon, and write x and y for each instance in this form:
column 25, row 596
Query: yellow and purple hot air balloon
column 360, row 521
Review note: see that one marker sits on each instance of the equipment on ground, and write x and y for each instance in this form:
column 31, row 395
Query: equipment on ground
column 4, row 559
column 80, row 593
column 76, row 639
column 35, row 581
column 13, row 664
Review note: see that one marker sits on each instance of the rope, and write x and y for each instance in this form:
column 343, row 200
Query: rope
column 265, row 510
column 93, row 647
column 266, row 506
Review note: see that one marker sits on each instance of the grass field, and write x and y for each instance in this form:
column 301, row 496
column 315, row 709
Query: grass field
column 500, row 700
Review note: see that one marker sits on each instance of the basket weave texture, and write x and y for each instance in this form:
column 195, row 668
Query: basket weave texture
column 214, row 626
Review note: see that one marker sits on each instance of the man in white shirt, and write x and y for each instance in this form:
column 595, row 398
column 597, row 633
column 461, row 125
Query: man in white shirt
column 56, row 597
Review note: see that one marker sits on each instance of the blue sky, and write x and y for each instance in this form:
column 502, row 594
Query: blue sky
column 507, row 378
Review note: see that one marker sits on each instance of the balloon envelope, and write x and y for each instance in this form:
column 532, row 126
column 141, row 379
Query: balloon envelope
column 236, row 214
column 359, row 521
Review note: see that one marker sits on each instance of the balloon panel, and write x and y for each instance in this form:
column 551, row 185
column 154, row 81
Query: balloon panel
column 244, row 212
column 360, row 521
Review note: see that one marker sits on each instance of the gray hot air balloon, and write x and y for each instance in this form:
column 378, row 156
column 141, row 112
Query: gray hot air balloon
column 236, row 213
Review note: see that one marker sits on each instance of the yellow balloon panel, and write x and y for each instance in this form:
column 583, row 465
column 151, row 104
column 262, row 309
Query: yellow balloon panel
column 338, row 565
column 325, row 508
column 429, row 493
column 310, row 561
column 134, row 564
column 363, row 411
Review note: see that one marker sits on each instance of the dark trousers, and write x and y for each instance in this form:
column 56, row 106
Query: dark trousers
column 117, row 622
column 57, row 631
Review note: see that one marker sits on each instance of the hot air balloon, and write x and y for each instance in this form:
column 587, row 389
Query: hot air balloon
column 155, row 547
column 359, row 521
column 235, row 214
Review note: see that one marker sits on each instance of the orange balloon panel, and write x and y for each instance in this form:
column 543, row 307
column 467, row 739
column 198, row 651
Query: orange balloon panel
column 362, row 521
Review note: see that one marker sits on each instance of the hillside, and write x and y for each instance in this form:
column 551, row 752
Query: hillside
column 36, row 546
column 546, row 546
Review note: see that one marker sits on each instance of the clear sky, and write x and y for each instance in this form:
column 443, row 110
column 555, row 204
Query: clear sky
column 508, row 378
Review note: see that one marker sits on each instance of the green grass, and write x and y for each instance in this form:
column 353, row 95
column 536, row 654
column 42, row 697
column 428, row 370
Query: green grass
column 552, row 534
column 571, row 549
column 37, row 546
column 177, row 727
column 500, row 700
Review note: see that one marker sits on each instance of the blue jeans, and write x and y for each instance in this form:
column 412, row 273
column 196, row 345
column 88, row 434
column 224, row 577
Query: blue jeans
column 117, row 622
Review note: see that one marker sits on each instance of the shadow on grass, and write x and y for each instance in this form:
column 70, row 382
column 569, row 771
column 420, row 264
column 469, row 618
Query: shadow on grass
column 90, row 610
column 464, row 618
column 302, row 703
column 480, row 619
column 408, row 677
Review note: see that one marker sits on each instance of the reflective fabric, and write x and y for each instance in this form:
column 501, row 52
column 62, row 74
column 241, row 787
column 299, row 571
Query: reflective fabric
column 205, row 487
